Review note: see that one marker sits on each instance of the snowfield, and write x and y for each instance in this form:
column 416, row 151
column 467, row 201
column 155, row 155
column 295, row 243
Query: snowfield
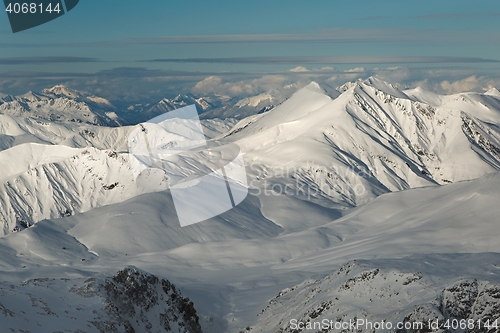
column 367, row 202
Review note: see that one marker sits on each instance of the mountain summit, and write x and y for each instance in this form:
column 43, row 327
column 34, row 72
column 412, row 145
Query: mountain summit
column 375, row 136
column 61, row 104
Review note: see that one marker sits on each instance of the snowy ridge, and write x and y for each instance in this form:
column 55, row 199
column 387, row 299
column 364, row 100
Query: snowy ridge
column 15, row 131
column 373, row 136
column 248, row 106
column 42, row 181
column 177, row 102
column 60, row 104
column 67, row 182
column 129, row 301
column 409, row 290
column 254, row 101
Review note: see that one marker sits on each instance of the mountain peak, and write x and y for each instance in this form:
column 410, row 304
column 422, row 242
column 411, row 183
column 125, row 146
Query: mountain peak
column 314, row 86
column 61, row 104
column 383, row 86
column 493, row 92
column 346, row 86
column 31, row 96
column 61, row 90
column 424, row 96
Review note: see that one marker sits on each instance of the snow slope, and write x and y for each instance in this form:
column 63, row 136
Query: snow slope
column 61, row 104
column 406, row 183
column 418, row 291
column 241, row 268
column 372, row 139
column 51, row 181
column 128, row 301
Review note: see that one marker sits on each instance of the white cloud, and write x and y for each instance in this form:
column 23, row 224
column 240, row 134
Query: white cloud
column 242, row 87
column 471, row 83
column 445, row 81
column 299, row 69
column 140, row 84
column 356, row 70
column 207, row 83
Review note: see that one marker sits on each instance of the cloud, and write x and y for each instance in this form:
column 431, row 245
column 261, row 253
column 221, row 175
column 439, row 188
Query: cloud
column 356, row 70
column 207, row 83
column 325, row 35
column 299, row 69
column 444, row 80
column 329, row 60
column 125, row 83
column 375, row 18
column 44, row 60
column 330, row 35
column 471, row 83
column 336, row 35
column 455, row 16
column 140, row 85
column 333, row 35
column 244, row 87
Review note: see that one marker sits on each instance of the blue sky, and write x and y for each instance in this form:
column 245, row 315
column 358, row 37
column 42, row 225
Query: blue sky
column 255, row 37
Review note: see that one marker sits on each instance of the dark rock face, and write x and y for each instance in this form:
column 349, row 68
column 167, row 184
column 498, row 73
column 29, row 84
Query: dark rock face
column 469, row 301
column 131, row 301
column 134, row 298
column 360, row 290
column 457, row 300
column 137, row 302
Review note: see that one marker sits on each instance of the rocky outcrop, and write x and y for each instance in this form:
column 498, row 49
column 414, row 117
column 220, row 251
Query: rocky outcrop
column 131, row 301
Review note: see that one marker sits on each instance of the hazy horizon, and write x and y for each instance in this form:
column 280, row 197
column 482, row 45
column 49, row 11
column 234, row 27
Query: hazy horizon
column 110, row 47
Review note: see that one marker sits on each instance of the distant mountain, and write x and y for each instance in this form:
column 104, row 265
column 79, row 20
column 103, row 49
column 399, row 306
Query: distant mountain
column 240, row 108
column 61, row 104
column 210, row 106
column 143, row 112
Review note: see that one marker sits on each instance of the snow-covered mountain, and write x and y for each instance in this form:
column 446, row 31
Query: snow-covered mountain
column 82, row 167
column 61, row 104
column 209, row 107
column 415, row 294
column 248, row 106
column 378, row 203
column 128, row 301
column 51, row 181
column 166, row 104
column 372, row 139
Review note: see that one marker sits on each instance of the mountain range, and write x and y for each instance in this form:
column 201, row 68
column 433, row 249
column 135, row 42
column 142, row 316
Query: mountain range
column 62, row 104
column 367, row 201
